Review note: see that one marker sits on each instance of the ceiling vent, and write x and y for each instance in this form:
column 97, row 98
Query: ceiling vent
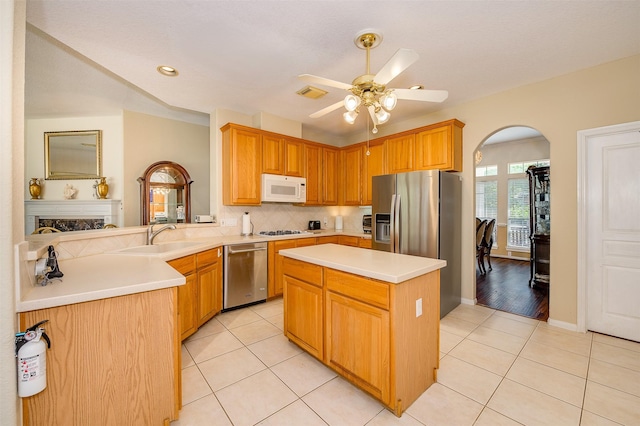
column 311, row 92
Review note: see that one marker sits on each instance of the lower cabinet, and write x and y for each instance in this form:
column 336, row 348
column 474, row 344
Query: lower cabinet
column 201, row 297
column 274, row 277
column 112, row 361
column 366, row 330
column 350, row 240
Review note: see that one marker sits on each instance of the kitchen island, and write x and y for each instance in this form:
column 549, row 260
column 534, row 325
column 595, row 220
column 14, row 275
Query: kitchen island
column 371, row 316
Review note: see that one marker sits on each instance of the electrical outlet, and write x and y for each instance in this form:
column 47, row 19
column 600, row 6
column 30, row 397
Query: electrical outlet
column 325, row 221
column 418, row 307
column 229, row 222
column 508, row 253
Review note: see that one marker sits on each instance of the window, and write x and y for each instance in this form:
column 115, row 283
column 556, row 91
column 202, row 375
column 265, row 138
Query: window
column 522, row 166
column 518, row 213
column 487, row 171
column 487, row 196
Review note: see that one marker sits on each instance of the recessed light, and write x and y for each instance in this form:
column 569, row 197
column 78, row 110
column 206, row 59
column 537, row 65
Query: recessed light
column 168, row 71
column 417, row 87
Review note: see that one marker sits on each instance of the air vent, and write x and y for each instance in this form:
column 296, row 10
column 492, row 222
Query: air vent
column 311, row 92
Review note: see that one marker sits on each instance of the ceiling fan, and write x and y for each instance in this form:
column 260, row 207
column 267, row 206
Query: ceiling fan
column 370, row 91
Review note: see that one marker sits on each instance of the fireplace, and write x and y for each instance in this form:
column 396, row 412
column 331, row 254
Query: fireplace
column 71, row 215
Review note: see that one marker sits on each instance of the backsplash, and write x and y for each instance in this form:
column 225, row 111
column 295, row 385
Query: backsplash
column 274, row 216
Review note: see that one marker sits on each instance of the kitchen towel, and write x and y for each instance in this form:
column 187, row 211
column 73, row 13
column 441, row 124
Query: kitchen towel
column 246, row 224
column 338, row 223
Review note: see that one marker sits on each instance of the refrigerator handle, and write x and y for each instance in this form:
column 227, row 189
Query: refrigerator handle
column 392, row 221
column 396, row 226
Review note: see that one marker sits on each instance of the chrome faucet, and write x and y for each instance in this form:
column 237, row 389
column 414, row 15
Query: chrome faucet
column 151, row 234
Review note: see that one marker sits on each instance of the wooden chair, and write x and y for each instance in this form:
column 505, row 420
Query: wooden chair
column 45, row 230
column 480, row 227
column 487, row 243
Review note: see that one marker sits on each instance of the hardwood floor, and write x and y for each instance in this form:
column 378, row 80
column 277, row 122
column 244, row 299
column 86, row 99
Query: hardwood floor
column 506, row 288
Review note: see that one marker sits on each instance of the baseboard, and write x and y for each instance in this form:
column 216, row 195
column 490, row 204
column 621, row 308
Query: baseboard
column 469, row 301
column 502, row 256
column 564, row 325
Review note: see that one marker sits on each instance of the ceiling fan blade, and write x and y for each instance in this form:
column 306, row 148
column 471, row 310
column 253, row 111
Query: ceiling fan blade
column 327, row 110
column 399, row 62
column 313, row 79
column 421, row 95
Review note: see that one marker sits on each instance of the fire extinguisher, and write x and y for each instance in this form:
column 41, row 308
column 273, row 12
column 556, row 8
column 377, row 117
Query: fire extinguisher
column 31, row 351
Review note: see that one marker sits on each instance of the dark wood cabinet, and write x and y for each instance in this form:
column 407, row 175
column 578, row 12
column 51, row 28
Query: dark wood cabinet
column 540, row 225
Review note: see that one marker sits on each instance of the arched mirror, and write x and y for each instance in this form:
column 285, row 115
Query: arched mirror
column 164, row 194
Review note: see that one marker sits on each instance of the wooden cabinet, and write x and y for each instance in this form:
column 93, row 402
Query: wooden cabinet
column 330, row 176
column 187, row 295
column 374, row 165
column 209, row 284
column 351, row 323
column 321, row 172
column 274, row 274
column 365, row 329
column 272, row 154
column 439, row 147
column 282, row 156
column 303, row 298
column 353, row 241
column 241, row 165
column 201, row 297
column 113, row 361
column 313, row 173
column 293, row 158
column 351, row 185
column 400, row 153
column 331, row 239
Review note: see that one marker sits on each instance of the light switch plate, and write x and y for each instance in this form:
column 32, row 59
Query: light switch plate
column 418, row 307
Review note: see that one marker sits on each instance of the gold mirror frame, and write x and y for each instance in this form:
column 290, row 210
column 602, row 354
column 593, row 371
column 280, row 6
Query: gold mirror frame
column 73, row 154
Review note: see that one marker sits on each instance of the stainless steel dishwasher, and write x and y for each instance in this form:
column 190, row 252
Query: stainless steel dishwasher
column 245, row 274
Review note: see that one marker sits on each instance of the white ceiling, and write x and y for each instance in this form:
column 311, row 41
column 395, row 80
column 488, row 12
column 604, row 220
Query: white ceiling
column 245, row 55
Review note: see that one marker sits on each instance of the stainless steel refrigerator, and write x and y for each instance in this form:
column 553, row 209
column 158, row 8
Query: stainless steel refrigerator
column 419, row 213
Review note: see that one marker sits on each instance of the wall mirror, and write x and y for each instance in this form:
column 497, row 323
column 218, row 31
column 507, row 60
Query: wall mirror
column 73, row 155
column 165, row 194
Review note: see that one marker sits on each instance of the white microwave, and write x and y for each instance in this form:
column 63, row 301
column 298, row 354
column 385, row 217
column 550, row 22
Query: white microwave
column 284, row 189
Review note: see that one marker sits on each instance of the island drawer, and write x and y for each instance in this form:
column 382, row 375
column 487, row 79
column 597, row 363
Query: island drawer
column 303, row 271
column 363, row 289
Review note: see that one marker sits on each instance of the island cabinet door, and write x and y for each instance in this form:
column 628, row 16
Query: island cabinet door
column 357, row 343
column 303, row 315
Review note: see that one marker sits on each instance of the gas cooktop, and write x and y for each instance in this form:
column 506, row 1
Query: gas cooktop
column 283, row 232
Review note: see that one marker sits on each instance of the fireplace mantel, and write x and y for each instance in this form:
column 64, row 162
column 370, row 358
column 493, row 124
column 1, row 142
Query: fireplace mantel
column 107, row 210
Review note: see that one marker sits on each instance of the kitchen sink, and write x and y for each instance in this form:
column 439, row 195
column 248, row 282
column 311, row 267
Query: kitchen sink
column 159, row 248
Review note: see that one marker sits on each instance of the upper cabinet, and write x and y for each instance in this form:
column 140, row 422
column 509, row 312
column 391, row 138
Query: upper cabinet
column 282, row 155
column 400, row 153
column 439, row 147
column 164, row 194
column 335, row 176
column 241, row 165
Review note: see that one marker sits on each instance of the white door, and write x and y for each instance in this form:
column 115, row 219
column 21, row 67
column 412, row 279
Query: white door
column 612, row 233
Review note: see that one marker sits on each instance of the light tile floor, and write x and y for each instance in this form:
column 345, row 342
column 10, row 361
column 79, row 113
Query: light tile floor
column 495, row 369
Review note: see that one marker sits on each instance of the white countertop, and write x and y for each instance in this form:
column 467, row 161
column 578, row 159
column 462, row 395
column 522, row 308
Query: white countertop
column 112, row 274
column 99, row 277
column 390, row 267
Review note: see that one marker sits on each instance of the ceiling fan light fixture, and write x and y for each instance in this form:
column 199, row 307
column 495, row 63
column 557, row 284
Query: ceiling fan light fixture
column 389, row 100
column 351, row 102
column 382, row 116
column 350, row 116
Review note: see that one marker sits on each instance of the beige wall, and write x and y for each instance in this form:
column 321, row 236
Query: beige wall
column 148, row 139
column 560, row 107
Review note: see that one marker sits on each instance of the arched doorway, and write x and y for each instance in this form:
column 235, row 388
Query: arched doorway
column 502, row 194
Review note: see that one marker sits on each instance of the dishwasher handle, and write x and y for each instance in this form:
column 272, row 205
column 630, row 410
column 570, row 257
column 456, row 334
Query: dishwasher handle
column 232, row 251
